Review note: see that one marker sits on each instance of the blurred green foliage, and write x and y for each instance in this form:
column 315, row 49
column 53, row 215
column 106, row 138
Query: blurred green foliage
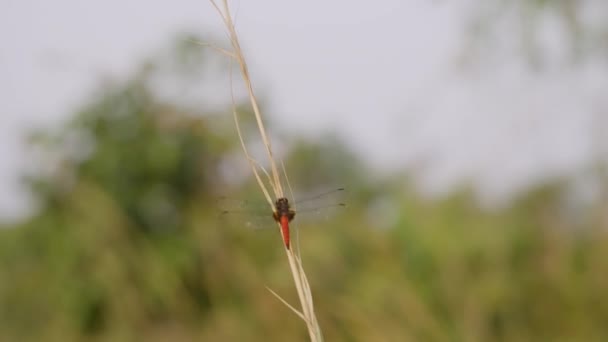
column 544, row 31
column 127, row 245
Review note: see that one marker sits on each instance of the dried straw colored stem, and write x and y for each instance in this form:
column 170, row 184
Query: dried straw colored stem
column 238, row 54
column 295, row 264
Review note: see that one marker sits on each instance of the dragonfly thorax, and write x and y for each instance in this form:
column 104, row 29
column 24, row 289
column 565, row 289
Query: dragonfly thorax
column 282, row 209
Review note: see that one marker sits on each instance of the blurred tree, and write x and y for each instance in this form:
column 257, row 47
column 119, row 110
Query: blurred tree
column 126, row 245
column 325, row 162
column 111, row 247
column 579, row 27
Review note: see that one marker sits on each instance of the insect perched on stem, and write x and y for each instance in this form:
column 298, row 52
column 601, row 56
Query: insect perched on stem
column 283, row 214
column 314, row 208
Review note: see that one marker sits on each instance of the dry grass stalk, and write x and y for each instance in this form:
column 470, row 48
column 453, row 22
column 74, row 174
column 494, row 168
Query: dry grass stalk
column 274, row 179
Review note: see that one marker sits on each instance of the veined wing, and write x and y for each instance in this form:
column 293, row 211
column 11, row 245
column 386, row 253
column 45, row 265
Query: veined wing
column 249, row 214
column 257, row 214
column 321, row 206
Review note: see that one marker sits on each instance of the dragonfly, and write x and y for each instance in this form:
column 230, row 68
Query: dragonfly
column 283, row 213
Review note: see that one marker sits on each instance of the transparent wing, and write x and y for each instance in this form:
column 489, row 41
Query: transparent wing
column 240, row 205
column 321, row 206
column 257, row 214
column 243, row 213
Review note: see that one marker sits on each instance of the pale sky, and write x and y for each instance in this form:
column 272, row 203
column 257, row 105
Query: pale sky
column 387, row 75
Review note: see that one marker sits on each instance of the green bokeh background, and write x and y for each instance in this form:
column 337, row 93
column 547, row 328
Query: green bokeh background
column 127, row 243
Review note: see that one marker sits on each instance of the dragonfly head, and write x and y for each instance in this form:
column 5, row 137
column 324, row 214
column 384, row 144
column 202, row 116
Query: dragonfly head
column 282, row 204
column 283, row 209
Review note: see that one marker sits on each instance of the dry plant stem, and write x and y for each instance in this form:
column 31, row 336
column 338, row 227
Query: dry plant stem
column 295, row 264
column 250, row 160
column 305, row 295
column 238, row 54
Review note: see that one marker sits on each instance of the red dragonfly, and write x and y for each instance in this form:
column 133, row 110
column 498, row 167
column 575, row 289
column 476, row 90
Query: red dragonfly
column 283, row 213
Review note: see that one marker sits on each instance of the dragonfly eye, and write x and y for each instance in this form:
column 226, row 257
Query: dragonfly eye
column 282, row 202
